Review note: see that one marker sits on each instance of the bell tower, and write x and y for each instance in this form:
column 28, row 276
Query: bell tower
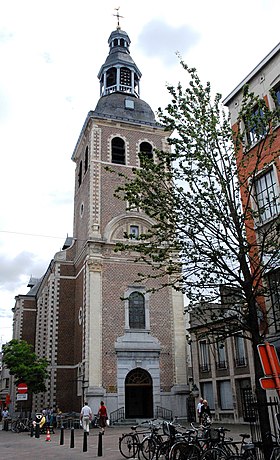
column 133, row 350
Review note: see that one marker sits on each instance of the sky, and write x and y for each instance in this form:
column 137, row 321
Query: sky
column 50, row 54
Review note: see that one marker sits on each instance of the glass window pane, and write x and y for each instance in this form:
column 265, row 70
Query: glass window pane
column 226, row 399
column 136, row 311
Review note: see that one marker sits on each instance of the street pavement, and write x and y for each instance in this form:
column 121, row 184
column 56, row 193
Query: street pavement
column 21, row 446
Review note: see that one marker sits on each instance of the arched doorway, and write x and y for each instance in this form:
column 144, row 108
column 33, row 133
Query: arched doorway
column 138, row 394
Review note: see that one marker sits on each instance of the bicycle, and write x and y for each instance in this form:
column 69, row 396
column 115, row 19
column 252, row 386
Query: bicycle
column 228, row 450
column 150, row 442
column 129, row 443
column 275, row 454
column 186, row 448
column 21, row 424
column 173, row 436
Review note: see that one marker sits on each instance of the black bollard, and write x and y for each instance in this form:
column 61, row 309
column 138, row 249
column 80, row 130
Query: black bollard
column 37, row 430
column 72, row 438
column 99, row 450
column 31, row 430
column 85, row 442
column 62, row 435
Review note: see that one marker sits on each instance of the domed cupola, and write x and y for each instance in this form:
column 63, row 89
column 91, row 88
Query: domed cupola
column 119, row 73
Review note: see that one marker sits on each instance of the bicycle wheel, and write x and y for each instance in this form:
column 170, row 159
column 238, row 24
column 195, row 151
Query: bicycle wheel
column 128, row 445
column 147, row 449
column 162, row 452
column 14, row 427
column 184, row 451
column 230, row 448
column 215, row 453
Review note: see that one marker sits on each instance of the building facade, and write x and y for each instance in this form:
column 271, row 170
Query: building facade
column 259, row 162
column 107, row 335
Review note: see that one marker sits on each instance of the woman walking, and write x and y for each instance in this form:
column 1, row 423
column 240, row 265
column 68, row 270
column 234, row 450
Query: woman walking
column 103, row 417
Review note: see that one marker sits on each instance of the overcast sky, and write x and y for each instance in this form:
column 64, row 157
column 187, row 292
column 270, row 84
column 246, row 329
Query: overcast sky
column 50, row 55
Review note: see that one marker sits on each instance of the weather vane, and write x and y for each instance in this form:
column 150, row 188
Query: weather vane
column 118, row 16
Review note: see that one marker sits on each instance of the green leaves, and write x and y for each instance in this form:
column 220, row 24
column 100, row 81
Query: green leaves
column 192, row 194
column 24, row 364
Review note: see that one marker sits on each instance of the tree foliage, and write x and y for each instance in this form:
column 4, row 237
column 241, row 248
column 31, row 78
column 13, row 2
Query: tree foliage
column 204, row 233
column 24, row 364
column 200, row 234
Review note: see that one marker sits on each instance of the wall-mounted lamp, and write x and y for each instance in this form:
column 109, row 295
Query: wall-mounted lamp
column 195, row 391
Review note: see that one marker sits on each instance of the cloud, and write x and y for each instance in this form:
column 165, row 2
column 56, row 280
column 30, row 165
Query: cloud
column 5, row 314
column 5, row 36
column 4, row 105
column 12, row 270
column 61, row 198
column 161, row 40
column 47, row 58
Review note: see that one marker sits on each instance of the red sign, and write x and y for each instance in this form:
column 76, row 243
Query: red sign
column 267, row 383
column 22, row 388
column 269, row 359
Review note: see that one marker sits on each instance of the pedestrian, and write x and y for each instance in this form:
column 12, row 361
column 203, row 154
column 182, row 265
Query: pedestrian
column 206, row 417
column 86, row 417
column 198, row 409
column 103, row 417
column 5, row 418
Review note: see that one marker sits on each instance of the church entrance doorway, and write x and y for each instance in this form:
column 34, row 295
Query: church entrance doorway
column 138, row 394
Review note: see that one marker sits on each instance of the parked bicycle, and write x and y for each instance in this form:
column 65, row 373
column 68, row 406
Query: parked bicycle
column 150, row 442
column 21, row 424
column 186, row 447
column 129, row 443
column 172, row 434
column 230, row 450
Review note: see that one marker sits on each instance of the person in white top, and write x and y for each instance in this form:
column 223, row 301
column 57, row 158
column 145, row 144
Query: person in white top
column 86, row 417
column 198, row 409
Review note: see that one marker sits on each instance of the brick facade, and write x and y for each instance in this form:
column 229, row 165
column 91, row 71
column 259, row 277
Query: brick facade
column 82, row 324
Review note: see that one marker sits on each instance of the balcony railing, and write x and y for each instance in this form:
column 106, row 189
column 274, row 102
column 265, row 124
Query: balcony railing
column 240, row 362
column 205, row 367
column 221, row 365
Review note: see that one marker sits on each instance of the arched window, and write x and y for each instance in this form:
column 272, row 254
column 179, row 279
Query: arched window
column 116, row 42
column 146, row 151
column 122, row 42
column 80, row 173
column 118, row 151
column 136, row 311
column 86, row 159
column 111, row 77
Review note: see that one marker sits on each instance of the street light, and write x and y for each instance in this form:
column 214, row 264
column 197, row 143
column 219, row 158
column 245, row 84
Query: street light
column 195, row 391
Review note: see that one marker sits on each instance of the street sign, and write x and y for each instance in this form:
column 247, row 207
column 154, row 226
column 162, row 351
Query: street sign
column 267, row 383
column 269, row 357
column 22, row 388
column 22, row 397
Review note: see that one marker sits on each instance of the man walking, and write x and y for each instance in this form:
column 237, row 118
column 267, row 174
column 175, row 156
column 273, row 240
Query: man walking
column 86, row 417
column 5, row 416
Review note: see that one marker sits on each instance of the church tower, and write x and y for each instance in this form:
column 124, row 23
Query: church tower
column 112, row 338
column 134, row 341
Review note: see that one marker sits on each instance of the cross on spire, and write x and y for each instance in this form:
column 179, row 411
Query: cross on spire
column 118, row 16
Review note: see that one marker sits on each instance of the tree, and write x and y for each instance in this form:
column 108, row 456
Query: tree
column 203, row 232
column 24, row 364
